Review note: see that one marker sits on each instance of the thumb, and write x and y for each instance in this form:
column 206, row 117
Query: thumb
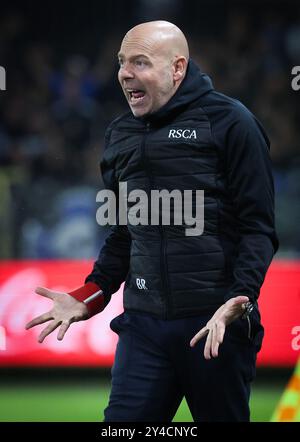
column 43, row 291
column 241, row 299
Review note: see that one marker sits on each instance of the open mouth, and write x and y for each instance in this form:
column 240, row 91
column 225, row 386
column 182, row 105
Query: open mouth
column 135, row 96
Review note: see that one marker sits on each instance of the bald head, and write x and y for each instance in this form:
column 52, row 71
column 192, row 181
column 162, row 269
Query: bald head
column 153, row 60
column 160, row 36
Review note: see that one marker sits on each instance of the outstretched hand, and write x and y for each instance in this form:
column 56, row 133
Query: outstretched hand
column 215, row 327
column 65, row 310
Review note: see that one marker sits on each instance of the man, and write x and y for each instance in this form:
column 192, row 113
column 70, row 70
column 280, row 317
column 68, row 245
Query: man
column 180, row 134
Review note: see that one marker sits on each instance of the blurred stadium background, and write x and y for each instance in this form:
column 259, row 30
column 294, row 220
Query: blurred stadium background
column 62, row 91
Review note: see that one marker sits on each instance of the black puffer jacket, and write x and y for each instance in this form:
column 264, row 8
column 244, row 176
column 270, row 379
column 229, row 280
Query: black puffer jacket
column 204, row 140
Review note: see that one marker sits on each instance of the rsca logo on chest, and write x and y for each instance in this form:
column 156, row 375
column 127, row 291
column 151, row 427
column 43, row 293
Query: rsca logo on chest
column 183, row 133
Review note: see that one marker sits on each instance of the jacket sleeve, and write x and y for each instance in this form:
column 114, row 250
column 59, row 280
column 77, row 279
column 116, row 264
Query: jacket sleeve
column 251, row 188
column 111, row 267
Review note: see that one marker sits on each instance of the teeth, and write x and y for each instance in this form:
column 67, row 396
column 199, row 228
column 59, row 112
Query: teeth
column 136, row 99
column 130, row 91
column 132, row 99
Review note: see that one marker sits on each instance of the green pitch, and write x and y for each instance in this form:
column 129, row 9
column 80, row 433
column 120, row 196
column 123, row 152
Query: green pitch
column 86, row 402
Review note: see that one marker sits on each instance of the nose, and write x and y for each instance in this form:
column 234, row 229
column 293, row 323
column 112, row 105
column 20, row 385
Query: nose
column 125, row 73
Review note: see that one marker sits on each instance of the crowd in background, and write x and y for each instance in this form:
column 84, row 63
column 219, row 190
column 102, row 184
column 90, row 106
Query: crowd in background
column 61, row 95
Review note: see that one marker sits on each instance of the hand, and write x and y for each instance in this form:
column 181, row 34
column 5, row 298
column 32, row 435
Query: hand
column 215, row 328
column 66, row 310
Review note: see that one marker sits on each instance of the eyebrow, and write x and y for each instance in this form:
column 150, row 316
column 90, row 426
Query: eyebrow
column 120, row 55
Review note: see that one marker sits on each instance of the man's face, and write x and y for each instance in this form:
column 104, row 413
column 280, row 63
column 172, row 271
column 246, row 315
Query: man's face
column 145, row 75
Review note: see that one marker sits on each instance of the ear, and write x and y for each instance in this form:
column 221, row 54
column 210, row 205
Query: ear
column 179, row 66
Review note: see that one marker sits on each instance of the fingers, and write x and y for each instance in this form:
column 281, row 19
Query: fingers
column 44, row 292
column 214, row 342
column 215, row 328
column 39, row 320
column 214, row 339
column 204, row 331
column 218, row 337
column 207, row 348
column 215, row 334
column 62, row 331
column 51, row 327
column 199, row 336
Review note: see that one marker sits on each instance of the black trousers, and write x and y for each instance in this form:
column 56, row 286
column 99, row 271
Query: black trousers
column 155, row 368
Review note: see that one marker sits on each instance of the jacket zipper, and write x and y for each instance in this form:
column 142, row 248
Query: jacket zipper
column 163, row 262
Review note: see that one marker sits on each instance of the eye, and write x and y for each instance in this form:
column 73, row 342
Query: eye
column 120, row 62
column 140, row 63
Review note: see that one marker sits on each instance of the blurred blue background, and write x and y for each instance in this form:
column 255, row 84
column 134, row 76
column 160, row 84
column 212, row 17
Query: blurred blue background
column 62, row 91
